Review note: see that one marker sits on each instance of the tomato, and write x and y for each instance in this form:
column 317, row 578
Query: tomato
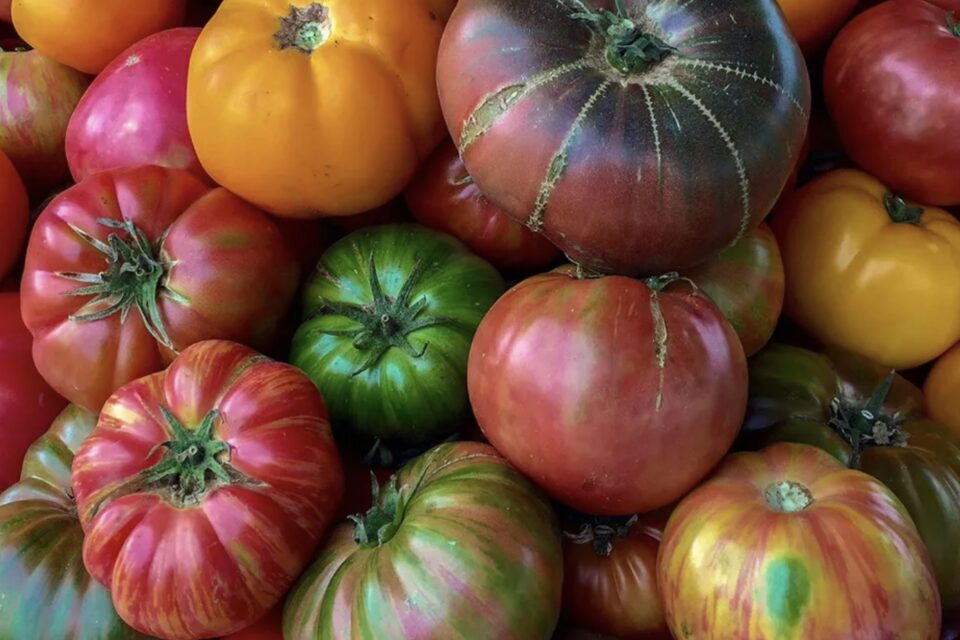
column 747, row 283
column 893, row 90
column 942, row 389
column 135, row 111
column 37, row 96
column 388, row 319
column 787, row 543
column 205, row 490
column 190, row 262
column 444, row 197
column 5, row 10
column 615, row 395
column 845, row 405
column 45, row 591
column 14, row 215
column 869, row 272
column 610, row 577
column 336, row 100
column 814, row 23
column 637, row 143
column 88, row 34
column 270, row 627
column 27, row 403
column 458, row 546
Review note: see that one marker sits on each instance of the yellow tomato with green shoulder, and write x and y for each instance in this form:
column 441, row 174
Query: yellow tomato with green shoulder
column 869, row 272
column 942, row 391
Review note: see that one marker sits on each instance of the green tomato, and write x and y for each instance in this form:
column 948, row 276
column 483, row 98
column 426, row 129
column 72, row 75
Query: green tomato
column 390, row 313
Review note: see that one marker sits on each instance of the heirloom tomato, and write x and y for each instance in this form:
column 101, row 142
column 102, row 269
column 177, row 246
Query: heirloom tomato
column 270, row 627
column 458, row 546
column 130, row 266
column 747, row 282
column 893, row 89
column 37, row 96
column 444, row 197
column 88, row 34
column 869, row 419
column 14, row 215
column 870, row 272
column 45, row 591
column 205, row 490
column 814, row 22
column 615, row 395
column 389, row 316
column 639, row 141
column 942, row 391
column 788, row 543
column 134, row 113
column 27, row 403
column 331, row 104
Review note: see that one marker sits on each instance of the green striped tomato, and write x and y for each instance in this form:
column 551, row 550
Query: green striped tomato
column 789, row 544
column 459, row 546
column 45, row 591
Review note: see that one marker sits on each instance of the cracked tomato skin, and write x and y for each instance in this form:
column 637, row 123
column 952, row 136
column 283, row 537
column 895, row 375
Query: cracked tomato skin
column 735, row 564
column 613, row 397
column 227, row 274
column 213, row 558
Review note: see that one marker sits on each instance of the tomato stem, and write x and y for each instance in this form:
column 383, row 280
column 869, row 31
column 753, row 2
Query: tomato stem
column 952, row 23
column 900, row 212
column 630, row 50
column 602, row 532
column 381, row 521
column 867, row 425
column 305, row 28
column 788, row 497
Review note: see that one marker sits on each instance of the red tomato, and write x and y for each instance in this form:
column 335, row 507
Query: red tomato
column 5, row 10
column 132, row 265
column 27, row 403
column 14, row 215
column 135, row 111
column 269, row 627
column 205, row 490
column 814, row 22
column 893, row 89
column 444, row 197
column 615, row 395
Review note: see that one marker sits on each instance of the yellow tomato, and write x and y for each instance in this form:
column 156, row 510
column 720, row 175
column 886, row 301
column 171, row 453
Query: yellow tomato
column 317, row 108
column 942, row 391
column 869, row 272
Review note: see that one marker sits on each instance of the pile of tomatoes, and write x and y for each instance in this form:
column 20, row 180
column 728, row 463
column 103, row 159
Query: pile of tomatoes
column 489, row 319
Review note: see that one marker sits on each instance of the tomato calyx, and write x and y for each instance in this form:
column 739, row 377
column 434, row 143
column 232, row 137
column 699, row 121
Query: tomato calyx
column 305, row 28
column 901, row 212
column 629, row 49
column 952, row 24
column 381, row 522
column 788, row 497
column 602, row 532
column 386, row 323
column 868, row 426
column 133, row 279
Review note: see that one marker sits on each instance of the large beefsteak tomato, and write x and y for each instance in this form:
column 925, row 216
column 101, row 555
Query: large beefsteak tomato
column 88, row 34
column 132, row 265
column 331, row 104
column 639, row 141
column 45, row 591
column 458, row 546
column 942, row 391
column 205, row 490
column 14, row 215
column 869, row 419
column 814, row 22
column 389, row 317
column 134, row 113
column 893, row 89
column 789, row 544
column 615, row 395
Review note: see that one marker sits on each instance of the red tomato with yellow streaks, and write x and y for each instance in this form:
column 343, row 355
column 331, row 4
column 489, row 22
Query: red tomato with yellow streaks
column 14, row 215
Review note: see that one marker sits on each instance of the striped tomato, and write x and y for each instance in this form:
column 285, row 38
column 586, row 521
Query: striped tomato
column 205, row 490
column 459, row 546
column 638, row 141
column 789, row 544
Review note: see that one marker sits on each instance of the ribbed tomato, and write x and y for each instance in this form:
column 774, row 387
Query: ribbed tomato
column 789, row 544
column 14, row 215
column 205, row 490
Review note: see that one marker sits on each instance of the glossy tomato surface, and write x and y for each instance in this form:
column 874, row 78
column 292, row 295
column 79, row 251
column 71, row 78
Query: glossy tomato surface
column 942, row 391
column 814, row 22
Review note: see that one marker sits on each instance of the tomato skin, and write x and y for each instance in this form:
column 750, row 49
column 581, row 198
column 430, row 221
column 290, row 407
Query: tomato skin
column 134, row 112
column 109, row 27
column 27, row 403
column 570, row 416
column 444, row 197
column 471, row 534
column 37, row 96
column 270, row 627
column 942, row 389
column 227, row 261
column 255, row 531
column 890, row 84
column 848, row 565
column 858, row 280
column 814, row 23
column 336, row 130
column 14, row 215
column 746, row 281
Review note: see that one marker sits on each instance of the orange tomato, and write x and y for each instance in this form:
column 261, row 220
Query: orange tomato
column 942, row 391
column 88, row 34
column 814, row 22
column 14, row 215
column 317, row 108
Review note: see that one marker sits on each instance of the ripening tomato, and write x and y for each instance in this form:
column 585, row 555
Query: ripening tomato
column 814, row 22
column 942, row 391
column 205, row 490
column 14, row 215
column 88, row 34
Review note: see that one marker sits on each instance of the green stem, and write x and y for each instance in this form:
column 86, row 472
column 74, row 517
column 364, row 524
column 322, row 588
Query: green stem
column 381, row 521
column 866, row 426
column 629, row 49
column 900, row 212
column 953, row 24
column 305, row 28
column 660, row 283
column 602, row 532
